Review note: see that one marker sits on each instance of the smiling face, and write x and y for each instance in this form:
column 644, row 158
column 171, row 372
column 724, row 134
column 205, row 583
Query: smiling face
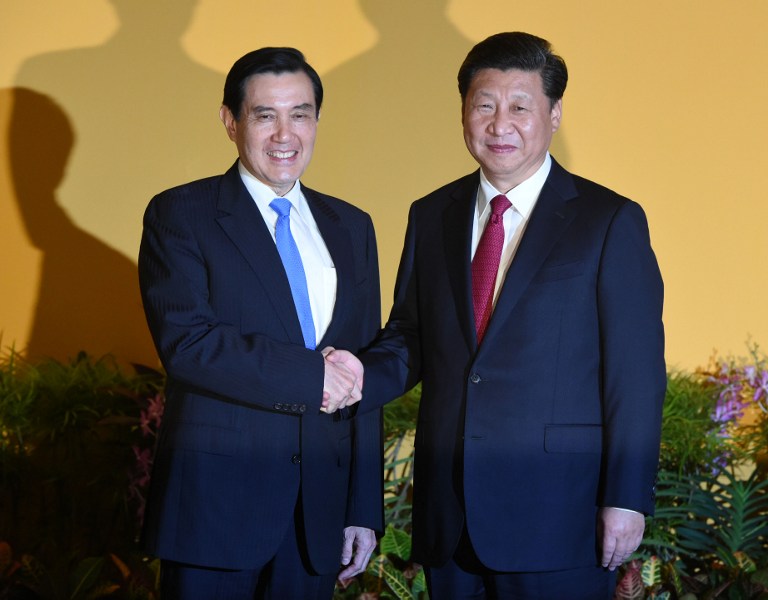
column 275, row 134
column 508, row 124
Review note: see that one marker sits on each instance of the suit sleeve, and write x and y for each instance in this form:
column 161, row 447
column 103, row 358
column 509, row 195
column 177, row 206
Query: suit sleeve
column 365, row 506
column 630, row 298
column 393, row 363
column 196, row 347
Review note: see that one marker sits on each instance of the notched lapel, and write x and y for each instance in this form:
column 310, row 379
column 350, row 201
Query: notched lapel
column 245, row 227
column 553, row 213
column 457, row 241
column 339, row 244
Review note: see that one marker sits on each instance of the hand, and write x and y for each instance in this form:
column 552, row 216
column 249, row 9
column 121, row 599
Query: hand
column 620, row 533
column 359, row 543
column 342, row 385
column 348, row 359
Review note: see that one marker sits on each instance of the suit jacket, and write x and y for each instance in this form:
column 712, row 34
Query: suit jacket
column 242, row 434
column 558, row 411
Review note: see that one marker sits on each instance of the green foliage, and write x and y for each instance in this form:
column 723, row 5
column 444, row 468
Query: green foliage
column 66, row 462
column 689, row 441
column 709, row 537
column 390, row 573
column 729, row 521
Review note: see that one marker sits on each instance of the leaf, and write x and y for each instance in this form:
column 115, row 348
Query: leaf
column 419, row 583
column 396, row 542
column 125, row 571
column 102, row 591
column 630, row 587
column 396, row 582
column 85, row 576
column 651, row 571
column 6, row 556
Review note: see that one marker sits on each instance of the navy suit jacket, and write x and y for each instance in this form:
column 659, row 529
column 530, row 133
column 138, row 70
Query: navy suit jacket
column 558, row 411
column 243, row 435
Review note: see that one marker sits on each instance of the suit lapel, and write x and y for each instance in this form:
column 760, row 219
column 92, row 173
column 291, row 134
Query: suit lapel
column 339, row 244
column 551, row 216
column 245, row 227
column 457, row 241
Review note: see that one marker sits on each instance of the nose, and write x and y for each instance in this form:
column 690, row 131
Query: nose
column 282, row 130
column 500, row 124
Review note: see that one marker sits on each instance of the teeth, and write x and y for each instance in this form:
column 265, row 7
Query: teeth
column 278, row 154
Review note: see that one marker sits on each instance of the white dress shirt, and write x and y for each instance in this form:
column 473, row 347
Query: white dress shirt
column 318, row 265
column 523, row 198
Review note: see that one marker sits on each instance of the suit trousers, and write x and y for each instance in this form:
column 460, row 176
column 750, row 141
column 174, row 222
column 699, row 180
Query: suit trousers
column 285, row 577
column 464, row 577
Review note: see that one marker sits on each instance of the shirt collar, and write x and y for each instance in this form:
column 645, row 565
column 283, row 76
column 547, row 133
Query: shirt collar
column 523, row 196
column 263, row 194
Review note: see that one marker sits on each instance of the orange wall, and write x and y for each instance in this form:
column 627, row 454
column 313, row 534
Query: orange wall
column 104, row 103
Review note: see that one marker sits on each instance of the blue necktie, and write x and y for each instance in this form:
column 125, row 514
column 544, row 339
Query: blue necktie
column 294, row 269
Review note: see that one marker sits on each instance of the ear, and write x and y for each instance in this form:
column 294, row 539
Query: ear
column 230, row 123
column 556, row 114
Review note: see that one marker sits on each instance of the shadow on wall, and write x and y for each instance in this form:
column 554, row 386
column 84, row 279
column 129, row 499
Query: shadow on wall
column 88, row 297
column 144, row 117
column 390, row 128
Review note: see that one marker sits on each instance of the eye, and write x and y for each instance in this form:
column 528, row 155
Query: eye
column 300, row 117
column 265, row 117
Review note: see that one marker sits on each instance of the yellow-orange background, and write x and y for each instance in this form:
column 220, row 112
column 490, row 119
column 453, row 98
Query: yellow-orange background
column 105, row 102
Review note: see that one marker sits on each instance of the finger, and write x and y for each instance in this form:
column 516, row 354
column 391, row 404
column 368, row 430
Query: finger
column 348, row 547
column 609, row 546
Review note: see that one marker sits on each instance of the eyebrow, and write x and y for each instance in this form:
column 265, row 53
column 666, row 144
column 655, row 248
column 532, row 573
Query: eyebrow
column 486, row 94
column 262, row 109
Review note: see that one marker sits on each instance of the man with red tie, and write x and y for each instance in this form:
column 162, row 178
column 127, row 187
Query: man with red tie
column 529, row 303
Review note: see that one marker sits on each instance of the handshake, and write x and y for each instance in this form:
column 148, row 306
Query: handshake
column 343, row 383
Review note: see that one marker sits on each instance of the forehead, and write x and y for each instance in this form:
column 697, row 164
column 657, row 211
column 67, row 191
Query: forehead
column 277, row 90
column 493, row 81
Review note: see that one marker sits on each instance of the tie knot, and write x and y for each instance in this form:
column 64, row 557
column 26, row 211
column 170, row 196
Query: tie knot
column 281, row 206
column 500, row 204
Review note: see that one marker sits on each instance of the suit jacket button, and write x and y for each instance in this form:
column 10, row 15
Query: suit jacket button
column 296, row 459
column 278, row 406
column 302, row 408
column 475, row 378
column 294, row 408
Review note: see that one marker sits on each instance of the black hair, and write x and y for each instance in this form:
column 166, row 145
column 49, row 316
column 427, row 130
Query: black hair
column 516, row 50
column 267, row 60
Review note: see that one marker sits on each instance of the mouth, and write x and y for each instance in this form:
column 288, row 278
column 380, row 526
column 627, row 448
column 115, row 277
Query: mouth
column 501, row 148
column 282, row 155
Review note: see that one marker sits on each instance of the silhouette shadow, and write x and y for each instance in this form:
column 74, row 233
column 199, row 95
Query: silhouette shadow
column 390, row 128
column 88, row 297
column 126, row 128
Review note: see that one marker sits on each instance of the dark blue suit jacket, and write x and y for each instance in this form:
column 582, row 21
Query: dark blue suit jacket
column 558, row 412
column 242, row 433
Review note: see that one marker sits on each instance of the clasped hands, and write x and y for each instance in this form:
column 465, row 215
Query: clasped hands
column 343, row 382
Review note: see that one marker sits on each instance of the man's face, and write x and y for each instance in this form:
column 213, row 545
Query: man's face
column 275, row 134
column 508, row 124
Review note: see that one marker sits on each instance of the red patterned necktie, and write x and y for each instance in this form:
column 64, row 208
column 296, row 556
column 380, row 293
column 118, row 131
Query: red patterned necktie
column 485, row 264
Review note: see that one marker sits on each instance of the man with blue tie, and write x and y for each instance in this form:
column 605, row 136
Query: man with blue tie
column 528, row 302
column 266, row 484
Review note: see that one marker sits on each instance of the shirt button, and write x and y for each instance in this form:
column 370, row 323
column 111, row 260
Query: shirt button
column 296, row 459
column 475, row 378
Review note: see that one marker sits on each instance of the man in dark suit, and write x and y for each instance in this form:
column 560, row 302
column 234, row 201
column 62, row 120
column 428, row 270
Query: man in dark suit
column 529, row 302
column 264, row 480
